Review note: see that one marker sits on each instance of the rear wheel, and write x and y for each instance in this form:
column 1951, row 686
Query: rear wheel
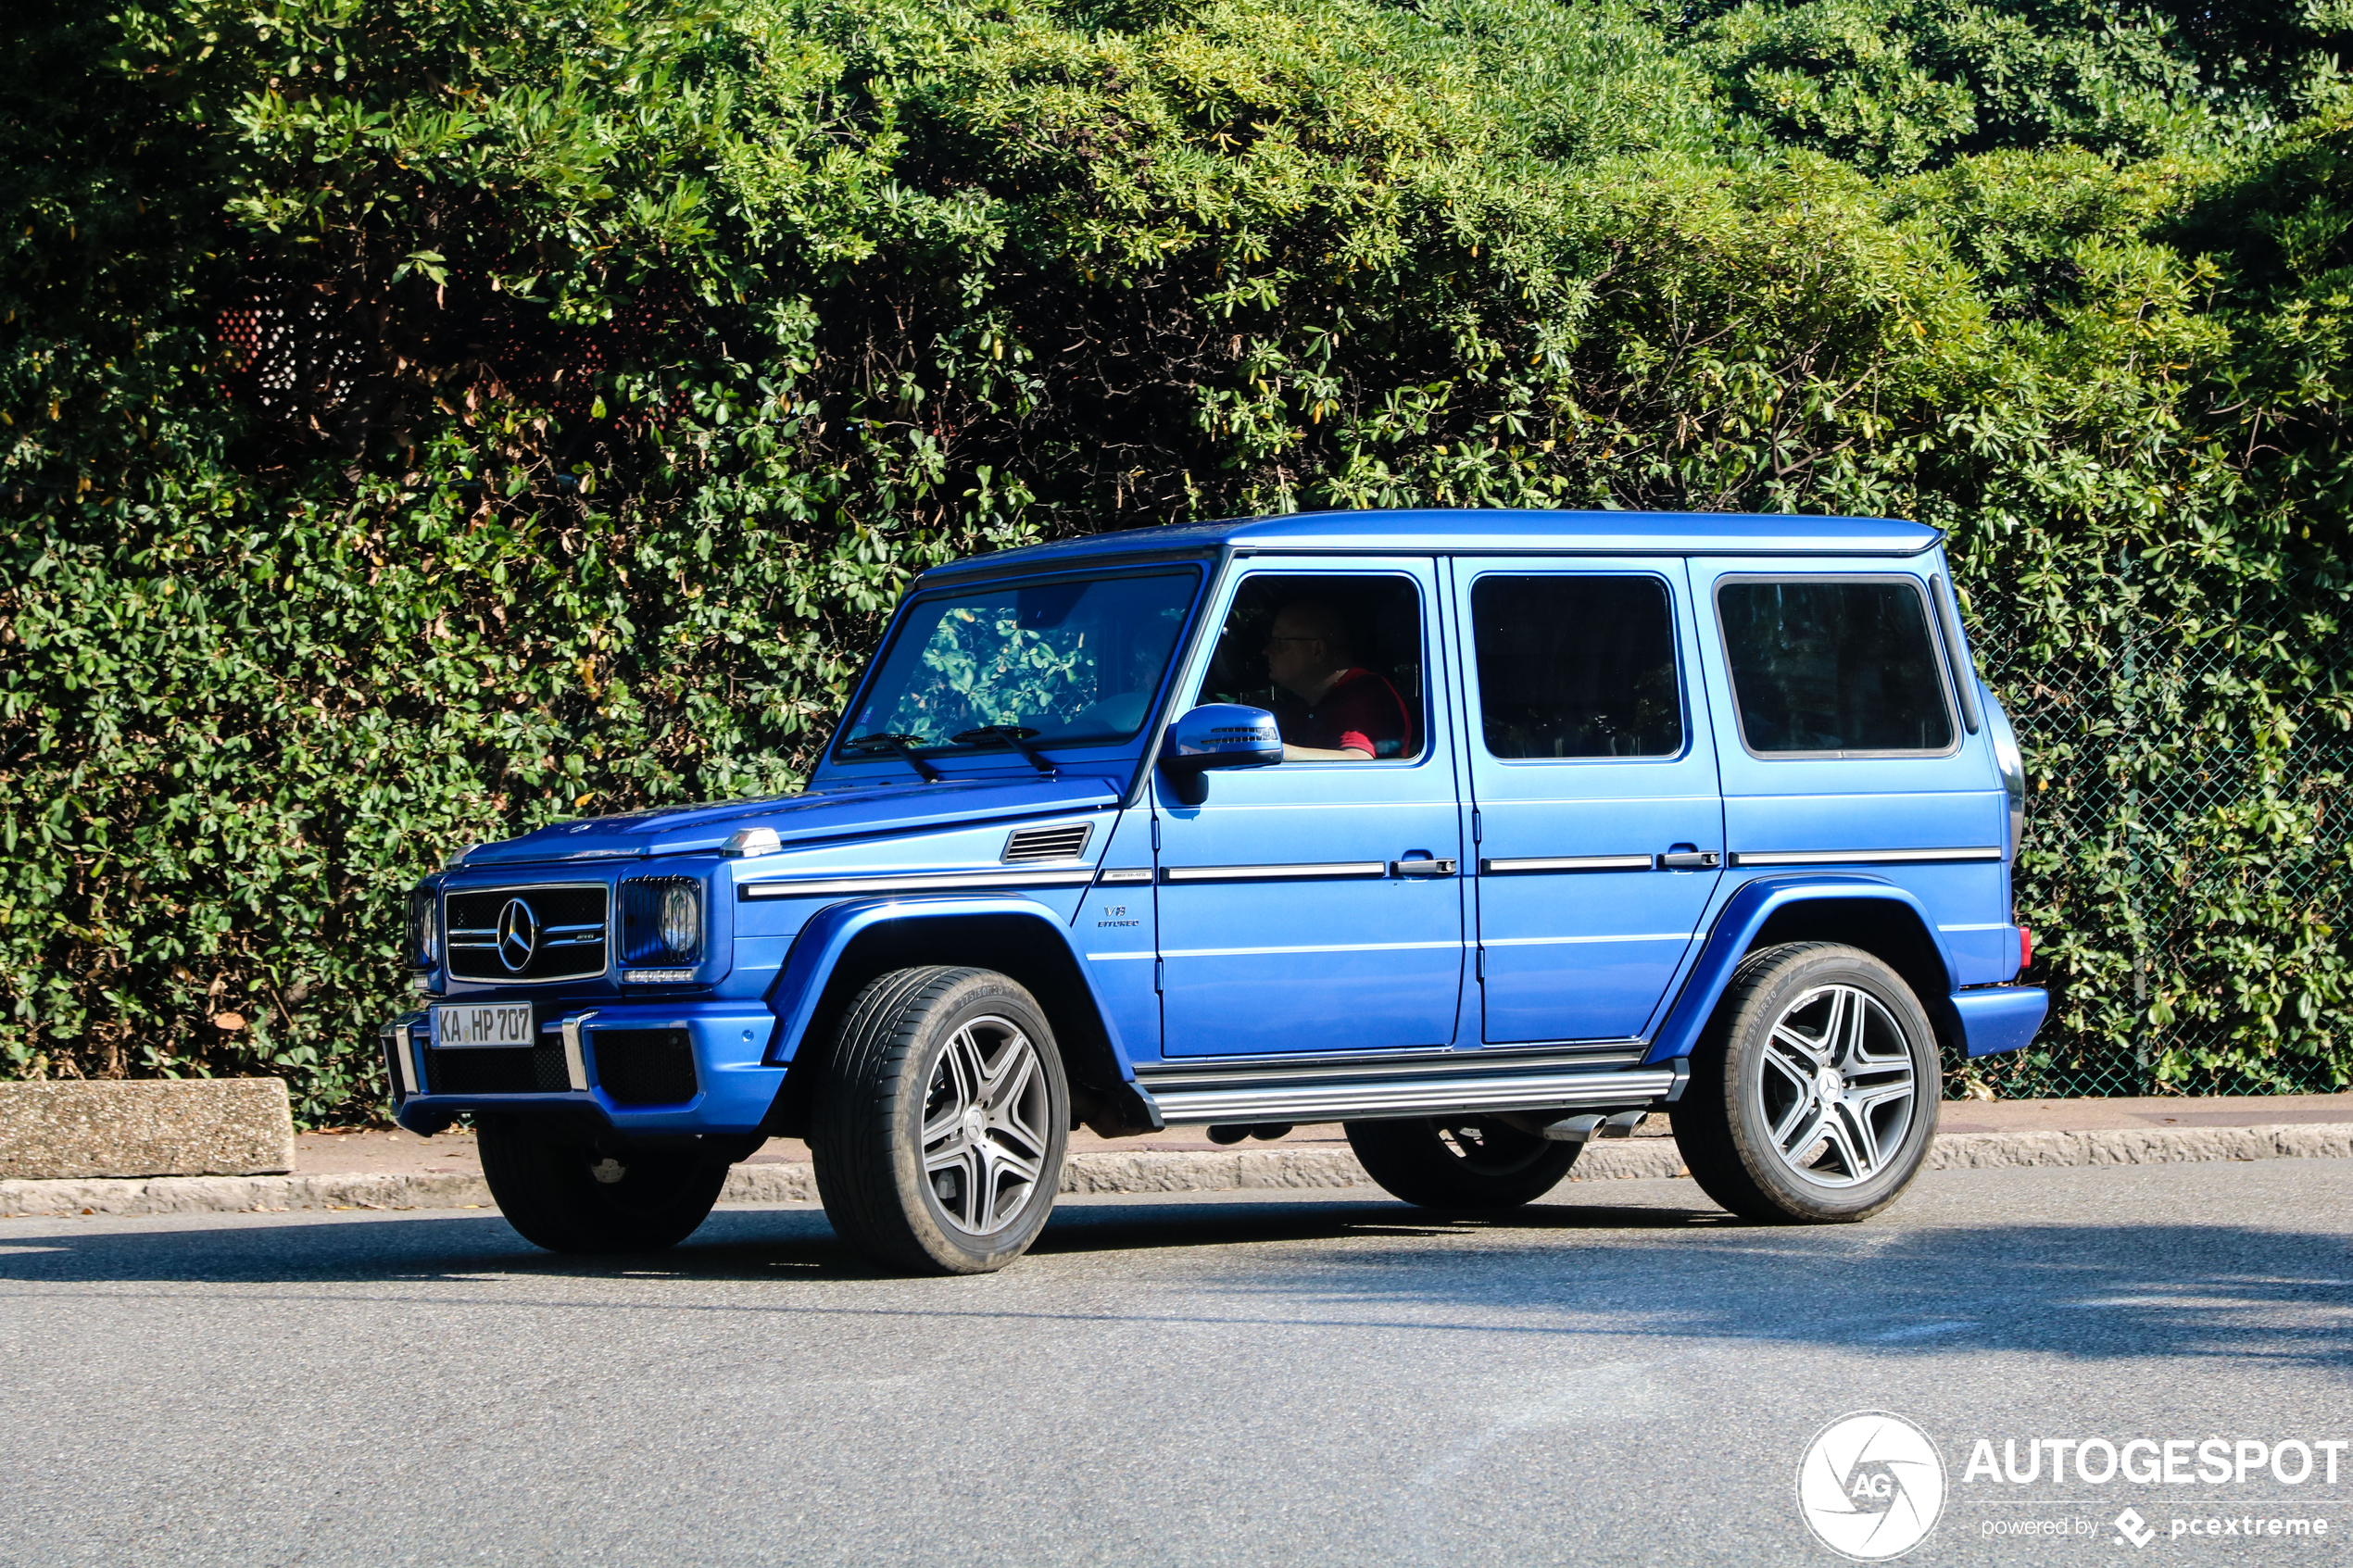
column 565, row 1196
column 1814, row 1095
column 1460, row 1162
column 939, row 1132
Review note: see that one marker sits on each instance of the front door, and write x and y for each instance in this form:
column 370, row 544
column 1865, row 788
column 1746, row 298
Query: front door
column 1594, row 783
column 1316, row 905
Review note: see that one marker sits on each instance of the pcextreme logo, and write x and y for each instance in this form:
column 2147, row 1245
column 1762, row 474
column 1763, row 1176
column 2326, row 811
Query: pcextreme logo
column 1870, row 1486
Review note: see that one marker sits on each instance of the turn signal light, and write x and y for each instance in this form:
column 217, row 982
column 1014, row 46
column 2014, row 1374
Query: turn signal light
column 424, row 927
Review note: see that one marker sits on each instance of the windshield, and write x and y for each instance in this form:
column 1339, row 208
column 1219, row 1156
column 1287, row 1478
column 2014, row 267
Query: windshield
column 1058, row 663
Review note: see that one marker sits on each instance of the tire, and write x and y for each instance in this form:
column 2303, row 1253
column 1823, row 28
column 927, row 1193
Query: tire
column 1460, row 1162
column 563, row 1196
column 938, row 1133
column 1755, row 1124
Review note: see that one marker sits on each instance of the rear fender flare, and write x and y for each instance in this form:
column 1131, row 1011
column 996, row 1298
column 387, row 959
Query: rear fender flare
column 1755, row 906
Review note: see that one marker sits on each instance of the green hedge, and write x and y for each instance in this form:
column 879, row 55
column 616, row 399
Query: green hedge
column 425, row 419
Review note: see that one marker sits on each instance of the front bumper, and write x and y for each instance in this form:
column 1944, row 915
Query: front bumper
column 648, row 1068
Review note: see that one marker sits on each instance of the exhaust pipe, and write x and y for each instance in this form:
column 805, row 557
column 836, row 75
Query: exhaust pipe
column 1593, row 1124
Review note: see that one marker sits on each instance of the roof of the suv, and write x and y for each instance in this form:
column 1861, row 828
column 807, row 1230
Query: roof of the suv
column 1465, row 532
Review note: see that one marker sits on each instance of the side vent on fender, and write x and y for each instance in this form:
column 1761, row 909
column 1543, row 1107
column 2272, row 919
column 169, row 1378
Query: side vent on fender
column 1063, row 841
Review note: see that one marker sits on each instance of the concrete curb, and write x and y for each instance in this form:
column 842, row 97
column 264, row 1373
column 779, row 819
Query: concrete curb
column 242, row 1194
column 1151, row 1170
column 2136, row 1146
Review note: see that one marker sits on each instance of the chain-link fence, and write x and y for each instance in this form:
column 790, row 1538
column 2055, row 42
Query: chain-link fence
column 2186, row 846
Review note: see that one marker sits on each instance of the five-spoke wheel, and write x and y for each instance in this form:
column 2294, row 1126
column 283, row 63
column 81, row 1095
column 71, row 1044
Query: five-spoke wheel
column 1837, row 1085
column 985, row 1125
column 939, row 1131
column 1813, row 1095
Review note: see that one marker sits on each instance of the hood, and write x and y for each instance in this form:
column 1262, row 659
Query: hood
column 816, row 817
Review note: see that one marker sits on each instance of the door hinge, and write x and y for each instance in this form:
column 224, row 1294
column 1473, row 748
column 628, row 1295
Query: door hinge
column 1478, row 964
column 1478, row 836
column 1155, row 835
column 1160, row 975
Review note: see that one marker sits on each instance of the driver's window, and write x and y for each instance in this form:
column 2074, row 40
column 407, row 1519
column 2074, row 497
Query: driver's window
column 1337, row 659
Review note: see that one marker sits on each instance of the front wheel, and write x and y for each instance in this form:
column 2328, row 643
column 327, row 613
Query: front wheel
column 1813, row 1097
column 1460, row 1162
column 565, row 1196
column 938, row 1133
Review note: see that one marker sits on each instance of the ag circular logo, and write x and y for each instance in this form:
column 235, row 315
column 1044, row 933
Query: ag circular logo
column 1871, row 1486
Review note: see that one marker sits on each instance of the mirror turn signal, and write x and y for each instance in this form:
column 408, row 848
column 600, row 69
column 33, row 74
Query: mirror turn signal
column 1216, row 735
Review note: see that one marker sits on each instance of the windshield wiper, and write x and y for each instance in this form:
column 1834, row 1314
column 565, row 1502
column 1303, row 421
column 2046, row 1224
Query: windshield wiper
column 1015, row 736
column 897, row 746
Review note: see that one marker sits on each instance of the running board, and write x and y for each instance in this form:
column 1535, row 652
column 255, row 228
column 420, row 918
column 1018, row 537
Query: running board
column 1204, row 1099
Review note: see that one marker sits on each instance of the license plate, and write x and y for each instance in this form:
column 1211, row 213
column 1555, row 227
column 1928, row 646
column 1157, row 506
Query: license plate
column 500, row 1023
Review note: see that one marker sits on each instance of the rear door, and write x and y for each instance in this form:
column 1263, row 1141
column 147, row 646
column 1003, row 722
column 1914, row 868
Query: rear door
column 1599, row 831
column 1842, row 745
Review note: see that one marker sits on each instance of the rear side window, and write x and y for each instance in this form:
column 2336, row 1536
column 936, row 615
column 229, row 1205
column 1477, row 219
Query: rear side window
column 1576, row 667
column 1835, row 666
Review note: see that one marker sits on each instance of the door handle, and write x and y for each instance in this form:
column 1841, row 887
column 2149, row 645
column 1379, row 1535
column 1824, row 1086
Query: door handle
column 1425, row 866
column 1684, row 858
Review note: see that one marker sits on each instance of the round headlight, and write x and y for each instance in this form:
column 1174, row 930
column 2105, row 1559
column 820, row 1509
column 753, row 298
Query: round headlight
column 681, row 920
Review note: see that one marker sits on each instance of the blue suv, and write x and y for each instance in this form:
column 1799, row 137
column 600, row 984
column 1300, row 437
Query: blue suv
column 1483, row 834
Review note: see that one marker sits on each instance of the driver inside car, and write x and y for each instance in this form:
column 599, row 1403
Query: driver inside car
column 1328, row 709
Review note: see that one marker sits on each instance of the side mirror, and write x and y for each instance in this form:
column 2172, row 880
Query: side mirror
column 1216, row 735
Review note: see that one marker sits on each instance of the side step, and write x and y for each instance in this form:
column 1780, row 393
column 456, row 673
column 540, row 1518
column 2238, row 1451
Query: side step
column 1243, row 1095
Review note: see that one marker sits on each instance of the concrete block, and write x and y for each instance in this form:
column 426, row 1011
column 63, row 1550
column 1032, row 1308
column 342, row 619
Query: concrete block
column 79, row 1130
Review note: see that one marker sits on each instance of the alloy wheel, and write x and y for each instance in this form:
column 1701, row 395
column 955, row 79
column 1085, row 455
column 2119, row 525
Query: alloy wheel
column 1838, row 1085
column 985, row 1132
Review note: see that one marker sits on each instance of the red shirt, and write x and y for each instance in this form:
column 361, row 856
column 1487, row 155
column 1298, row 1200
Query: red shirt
column 1361, row 712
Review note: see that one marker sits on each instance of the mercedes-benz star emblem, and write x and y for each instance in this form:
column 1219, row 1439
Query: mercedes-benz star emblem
column 518, row 935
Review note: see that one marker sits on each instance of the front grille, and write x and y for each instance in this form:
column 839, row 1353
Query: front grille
column 567, row 925
column 1063, row 841
column 644, row 1066
column 538, row 1070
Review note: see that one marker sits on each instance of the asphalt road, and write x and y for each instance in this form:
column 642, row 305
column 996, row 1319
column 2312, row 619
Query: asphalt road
column 1620, row 1375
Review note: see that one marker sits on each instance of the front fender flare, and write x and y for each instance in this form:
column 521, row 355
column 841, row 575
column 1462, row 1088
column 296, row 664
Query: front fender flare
column 799, row 987
column 1744, row 916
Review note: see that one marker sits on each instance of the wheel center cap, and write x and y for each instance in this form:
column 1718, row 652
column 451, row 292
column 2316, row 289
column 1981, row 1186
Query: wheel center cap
column 975, row 1123
column 1828, row 1085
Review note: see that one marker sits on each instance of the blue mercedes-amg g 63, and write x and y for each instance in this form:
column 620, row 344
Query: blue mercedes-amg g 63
column 1483, row 834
